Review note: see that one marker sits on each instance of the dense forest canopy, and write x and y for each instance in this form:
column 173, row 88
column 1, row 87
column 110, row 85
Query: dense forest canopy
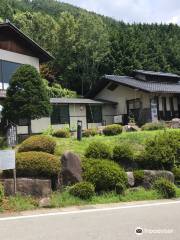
column 87, row 45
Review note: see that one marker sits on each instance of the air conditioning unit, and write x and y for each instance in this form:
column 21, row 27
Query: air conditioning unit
column 118, row 119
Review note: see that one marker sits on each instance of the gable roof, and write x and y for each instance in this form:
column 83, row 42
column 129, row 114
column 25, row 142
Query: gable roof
column 43, row 55
column 160, row 74
column 153, row 87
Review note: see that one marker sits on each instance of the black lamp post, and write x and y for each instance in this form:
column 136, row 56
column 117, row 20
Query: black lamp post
column 79, row 130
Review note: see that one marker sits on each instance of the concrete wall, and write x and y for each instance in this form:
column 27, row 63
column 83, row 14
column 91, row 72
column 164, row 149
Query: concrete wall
column 77, row 112
column 19, row 58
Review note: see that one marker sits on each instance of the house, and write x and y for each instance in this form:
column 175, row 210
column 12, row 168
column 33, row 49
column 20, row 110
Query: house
column 146, row 96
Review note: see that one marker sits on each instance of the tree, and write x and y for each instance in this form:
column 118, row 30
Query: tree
column 26, row 97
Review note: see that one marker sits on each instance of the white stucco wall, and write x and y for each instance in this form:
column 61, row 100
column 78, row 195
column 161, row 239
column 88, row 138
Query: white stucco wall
column 77, row 112
column 121, row 94
column 19, row 58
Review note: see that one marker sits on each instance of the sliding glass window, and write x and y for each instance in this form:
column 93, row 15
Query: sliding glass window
column 7, row 69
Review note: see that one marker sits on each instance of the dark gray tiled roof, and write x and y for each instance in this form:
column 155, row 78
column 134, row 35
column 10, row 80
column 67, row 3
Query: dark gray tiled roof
column 74, row 101
column 145, row 86
column 161, row 74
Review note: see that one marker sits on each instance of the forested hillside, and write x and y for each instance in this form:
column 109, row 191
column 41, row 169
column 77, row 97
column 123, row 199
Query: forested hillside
column 87, row 45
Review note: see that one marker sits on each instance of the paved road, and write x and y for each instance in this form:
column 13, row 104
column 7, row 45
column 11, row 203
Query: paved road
column 117, row 223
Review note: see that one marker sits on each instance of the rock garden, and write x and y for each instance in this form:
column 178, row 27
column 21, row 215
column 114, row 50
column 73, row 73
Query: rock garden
column 108, row 165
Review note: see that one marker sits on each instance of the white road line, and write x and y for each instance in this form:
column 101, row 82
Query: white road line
column 88, row 211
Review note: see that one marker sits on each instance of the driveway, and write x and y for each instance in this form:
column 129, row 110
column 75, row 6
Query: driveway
column 158, row 220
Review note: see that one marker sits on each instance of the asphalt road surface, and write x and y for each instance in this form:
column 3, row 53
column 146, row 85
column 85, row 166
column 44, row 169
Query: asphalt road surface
column 156, row 221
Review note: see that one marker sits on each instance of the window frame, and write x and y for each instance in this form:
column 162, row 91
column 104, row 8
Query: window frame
column 59, row 115
column 90, row 118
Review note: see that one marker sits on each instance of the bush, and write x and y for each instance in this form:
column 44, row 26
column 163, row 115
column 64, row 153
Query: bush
column 164, row 187
column 37, row 164
column 98, row 150
column 62, row 133
column 120, row 188
column 138, row 177
column 90, row 132
column 123, row 155
column 176, row 172
column 112, row 130
column 103, row 174
column 160, row 152
column 153, row 126
column 38, row 143
column 83, row 190
column 1, row 193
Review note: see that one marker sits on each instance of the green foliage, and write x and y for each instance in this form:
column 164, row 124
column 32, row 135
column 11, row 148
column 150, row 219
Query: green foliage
column 166, row 188
column 98, row 150
column 160, row 152
column 1, row 194
column 123, row 154
column 26, row 96
column 83, row 190
column 138, row 176
column 62, row 133
column 120, row 188
column 112, row 130
column 153, row 126
column 176, row 172
column 37, row 164
column 91, row 132
column 38, row 143
column 103, row 174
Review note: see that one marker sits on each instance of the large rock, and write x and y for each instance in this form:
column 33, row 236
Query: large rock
column 71, row 169
column 28, row 186
column 175, row 123
column 130, row 177
column 151, row 175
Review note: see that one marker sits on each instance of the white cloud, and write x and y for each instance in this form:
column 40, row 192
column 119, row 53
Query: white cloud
column 134, row 10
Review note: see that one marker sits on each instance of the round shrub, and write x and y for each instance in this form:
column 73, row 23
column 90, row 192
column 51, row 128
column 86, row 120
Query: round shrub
column 176, row 172
column 37, row 164
column 160, row 152
column 153, row 126
column 83, row 190
column 98, row 150
column 38, row 143
column 90, row 132
column 138, row 177
column 103, row 174
column 164, row 187
column 112, row 130
column 62, row 133
column 1, row 193
column 123, row 154
column 120, row 188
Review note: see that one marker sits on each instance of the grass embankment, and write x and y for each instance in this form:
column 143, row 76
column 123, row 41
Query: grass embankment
column 64, row 199
column 136, row 139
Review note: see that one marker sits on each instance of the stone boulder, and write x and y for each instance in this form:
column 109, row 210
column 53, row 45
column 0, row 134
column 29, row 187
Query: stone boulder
column 151, row 175
column 130, row 177
column 131, row 128
column 175, row 123
column 71, row 169
column 28, row 186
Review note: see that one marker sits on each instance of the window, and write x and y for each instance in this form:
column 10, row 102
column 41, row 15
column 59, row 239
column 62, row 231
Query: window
column 60, row 114
column 171, row 103
column 94, row 113
column 23, row 122
column 7, row 69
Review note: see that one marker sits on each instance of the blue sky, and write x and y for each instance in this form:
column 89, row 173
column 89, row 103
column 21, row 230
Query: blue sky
column 148, row 11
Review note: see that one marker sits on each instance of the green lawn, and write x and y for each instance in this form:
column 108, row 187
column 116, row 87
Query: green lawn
column 136, row 139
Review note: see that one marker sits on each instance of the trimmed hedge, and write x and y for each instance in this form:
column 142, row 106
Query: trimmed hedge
column 123, row 154
column 160, row 152
column 37, row 164
column 83, row 190
column 164, row 187
column 90, row 132
column 103, row 174
column 62, row 133
column 38, row 143
column 98, row 150
column 1, row 193
column 120, row 188
column 112, row 130
column 153, row 126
